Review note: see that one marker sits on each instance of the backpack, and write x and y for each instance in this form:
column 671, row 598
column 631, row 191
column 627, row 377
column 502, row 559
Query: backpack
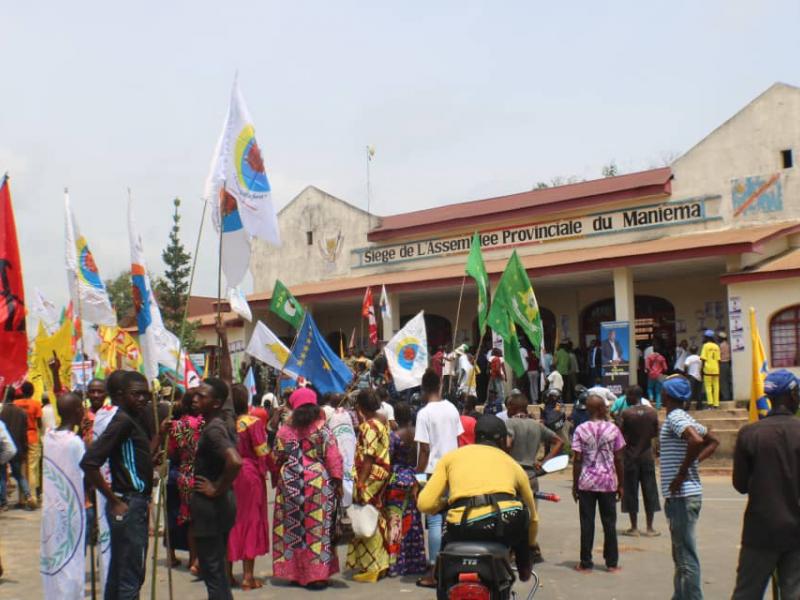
column 496, row 368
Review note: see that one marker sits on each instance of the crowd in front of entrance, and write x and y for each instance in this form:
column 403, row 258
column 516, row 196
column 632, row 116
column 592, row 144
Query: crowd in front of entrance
column 324, row 451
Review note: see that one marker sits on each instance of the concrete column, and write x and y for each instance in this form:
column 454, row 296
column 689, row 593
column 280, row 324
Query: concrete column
column 392, row 325
column 624, row 311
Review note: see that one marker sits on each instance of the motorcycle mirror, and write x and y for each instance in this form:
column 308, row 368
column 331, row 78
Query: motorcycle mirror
column 559, row 463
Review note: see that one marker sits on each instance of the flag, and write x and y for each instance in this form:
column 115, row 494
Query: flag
column 250, row 384
column 368, row 311
column 44, row 346
column 508, row 332
column 44, row 310
column 101, row 421
column 118, row 350
column 477, row 270
column 13, row 339
column 759, row 403
column 386, row 308
column 407, row 353
column 313, row 359
column 514, row 295
column 286, row 306
column 62, row 561
column 157, row 344
column 185, row 378
column 268, row 348
column 239, row 304
column 86, row 287
column 240, row 191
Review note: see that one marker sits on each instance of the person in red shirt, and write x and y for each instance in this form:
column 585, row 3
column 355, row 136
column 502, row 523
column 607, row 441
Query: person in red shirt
column 33, row 410
column 257, row 410
column 656, row 366
column 469, row 418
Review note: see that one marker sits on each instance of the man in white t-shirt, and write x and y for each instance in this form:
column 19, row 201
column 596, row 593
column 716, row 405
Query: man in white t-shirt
column 438, row 428
column 693, row 367
column 555, row 381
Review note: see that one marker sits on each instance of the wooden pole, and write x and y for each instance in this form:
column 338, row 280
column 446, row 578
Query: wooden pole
column 458, row 310
column 169, row 414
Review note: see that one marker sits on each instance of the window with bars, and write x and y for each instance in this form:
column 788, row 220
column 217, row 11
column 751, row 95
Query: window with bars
column 784, row 337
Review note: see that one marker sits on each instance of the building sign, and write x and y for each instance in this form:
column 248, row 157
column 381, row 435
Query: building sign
column 614, row 222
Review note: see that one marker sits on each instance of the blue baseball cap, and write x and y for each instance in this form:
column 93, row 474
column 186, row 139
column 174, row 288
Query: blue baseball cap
column 678, row 388
column 780, row 382
column 709, row 333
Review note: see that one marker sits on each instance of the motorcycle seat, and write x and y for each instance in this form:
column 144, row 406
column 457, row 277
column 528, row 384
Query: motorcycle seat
column 493, row 549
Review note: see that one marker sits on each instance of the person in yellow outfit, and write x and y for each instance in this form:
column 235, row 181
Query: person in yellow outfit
column 710, row 355
column 480, row 480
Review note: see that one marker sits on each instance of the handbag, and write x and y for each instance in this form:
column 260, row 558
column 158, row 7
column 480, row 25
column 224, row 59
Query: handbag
column 364, row 518
column 342, row 526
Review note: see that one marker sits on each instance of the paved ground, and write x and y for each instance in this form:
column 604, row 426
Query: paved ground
column 646, row 562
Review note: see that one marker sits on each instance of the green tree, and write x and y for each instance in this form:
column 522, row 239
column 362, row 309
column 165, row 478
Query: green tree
column 119, row 292
column 173, row 289
column 611, row 169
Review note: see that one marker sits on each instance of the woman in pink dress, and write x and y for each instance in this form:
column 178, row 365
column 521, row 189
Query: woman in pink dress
column 249, row 537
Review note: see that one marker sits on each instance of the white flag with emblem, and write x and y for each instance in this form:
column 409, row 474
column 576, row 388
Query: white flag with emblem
column 268, row 348
column 407, row 353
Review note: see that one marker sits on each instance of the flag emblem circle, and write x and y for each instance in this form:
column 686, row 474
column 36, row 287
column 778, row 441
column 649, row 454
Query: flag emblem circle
column 65, row 524
column 87, row 268
column 408, row 350
column 249, row 163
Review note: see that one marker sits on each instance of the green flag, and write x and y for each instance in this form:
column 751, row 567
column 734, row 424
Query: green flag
column 511, row 352
column 514, row 295
column 286, row 306
column 477, row 270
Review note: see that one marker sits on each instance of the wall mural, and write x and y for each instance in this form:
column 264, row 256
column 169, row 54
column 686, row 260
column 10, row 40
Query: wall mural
column 757, row 195
column 330, row 246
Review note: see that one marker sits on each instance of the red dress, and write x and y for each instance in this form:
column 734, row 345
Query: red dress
column 249, row 537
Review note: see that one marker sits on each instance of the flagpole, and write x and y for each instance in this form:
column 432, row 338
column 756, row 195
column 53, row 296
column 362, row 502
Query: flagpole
column 219, row 290
column 171, row 404
column 458, row 310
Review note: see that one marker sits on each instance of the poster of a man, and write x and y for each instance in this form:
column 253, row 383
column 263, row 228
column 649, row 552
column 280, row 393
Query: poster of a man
column 614, row 342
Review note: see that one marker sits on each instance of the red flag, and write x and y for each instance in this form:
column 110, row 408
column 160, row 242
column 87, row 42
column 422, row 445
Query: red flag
column 367, row 304
column 13, row 340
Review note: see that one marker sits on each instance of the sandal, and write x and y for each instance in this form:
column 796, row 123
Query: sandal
column 631, row 532
column 424, row 582
column 255, row 584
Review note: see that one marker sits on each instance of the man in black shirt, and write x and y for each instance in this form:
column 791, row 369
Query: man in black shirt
column 16, row 421
column 213, row 506
column 639, row 425
column 127, row 447
column 766, row 466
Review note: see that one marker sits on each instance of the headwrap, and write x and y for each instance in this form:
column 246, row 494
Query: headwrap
column 678, row 388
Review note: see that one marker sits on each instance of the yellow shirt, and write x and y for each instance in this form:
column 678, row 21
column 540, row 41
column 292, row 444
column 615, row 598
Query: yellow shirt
column 472, row 471
column 710, row 354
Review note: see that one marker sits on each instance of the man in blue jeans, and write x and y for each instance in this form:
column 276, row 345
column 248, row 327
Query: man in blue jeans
column 684, row 444
column 127, row 446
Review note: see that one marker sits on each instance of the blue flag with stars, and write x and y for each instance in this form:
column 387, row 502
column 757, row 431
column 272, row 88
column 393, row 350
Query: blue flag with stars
column 314, row 359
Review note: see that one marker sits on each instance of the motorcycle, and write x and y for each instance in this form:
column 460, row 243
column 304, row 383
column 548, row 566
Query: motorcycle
column 482, row 570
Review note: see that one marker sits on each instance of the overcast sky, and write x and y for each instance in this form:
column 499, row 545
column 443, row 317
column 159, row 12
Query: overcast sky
column 462, row 100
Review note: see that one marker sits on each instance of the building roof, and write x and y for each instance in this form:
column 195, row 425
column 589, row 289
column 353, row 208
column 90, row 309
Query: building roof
column 669, row 248
column 643, row 184
column 781, row 267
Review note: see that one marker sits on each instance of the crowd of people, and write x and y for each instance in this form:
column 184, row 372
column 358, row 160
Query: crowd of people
column 419, row 459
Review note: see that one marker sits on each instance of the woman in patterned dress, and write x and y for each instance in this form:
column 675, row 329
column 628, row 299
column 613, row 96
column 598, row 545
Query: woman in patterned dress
column 369, row 557
column 406, row 542
column 182, row 446
column 309, row 480
column 249, row 537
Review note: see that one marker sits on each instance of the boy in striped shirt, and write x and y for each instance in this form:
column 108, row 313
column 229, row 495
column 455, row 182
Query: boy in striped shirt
column 684, row 444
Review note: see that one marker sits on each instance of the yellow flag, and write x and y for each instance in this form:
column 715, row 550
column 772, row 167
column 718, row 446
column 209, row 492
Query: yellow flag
column 759, row 404
column 118, row 350
column 43, row 348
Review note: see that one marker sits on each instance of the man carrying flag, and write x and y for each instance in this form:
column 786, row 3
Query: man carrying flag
column 13, row 340
column 368, row 312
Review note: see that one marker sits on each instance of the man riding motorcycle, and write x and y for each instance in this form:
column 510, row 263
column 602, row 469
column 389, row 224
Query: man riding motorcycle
column 489, row 497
